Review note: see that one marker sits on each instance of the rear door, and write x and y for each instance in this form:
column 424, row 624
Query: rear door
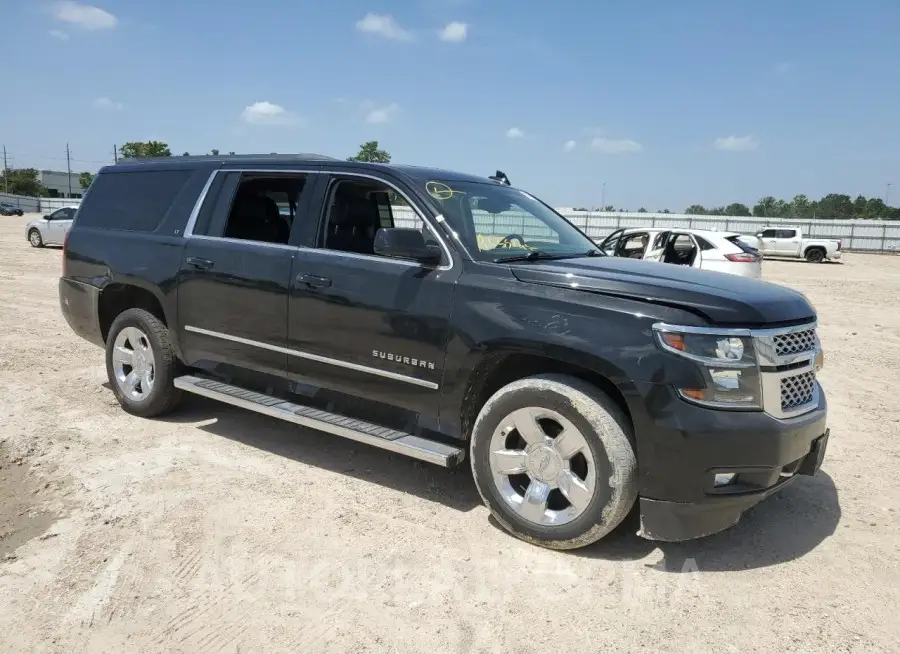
column 236, row 271
column 657, row 247
column 58, row 223
column 788, row 242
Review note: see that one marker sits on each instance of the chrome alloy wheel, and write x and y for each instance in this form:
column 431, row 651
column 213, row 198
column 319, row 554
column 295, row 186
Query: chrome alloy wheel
column 34, row 237
column 134, row 364
column 542, row 466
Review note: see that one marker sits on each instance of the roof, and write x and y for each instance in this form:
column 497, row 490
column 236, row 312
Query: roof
column 418, row 174
column 687, row 230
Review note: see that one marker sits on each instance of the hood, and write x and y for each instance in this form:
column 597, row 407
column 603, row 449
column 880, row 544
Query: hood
column 720, row 297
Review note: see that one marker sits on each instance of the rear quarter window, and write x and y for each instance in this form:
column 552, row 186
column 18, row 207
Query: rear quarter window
column 133, row 201
column 746, row 247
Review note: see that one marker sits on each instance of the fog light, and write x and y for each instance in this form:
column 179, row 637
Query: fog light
column 723, row 479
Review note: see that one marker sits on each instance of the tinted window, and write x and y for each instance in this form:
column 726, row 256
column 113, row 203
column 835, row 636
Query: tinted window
column 768, row 233
column 263, row 208
column 785, row 233
column 704, row 244
column 132, row 201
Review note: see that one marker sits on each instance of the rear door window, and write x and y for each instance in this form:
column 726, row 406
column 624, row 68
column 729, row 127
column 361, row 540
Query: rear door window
column 745, row 247
column 135, row 201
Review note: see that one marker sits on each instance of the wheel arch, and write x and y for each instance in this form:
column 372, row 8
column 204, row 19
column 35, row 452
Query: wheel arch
column 500, row 366
column 117, row 297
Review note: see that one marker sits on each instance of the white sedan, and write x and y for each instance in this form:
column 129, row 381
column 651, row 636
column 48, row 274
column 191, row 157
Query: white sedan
column 51, row 229
column 727, row 252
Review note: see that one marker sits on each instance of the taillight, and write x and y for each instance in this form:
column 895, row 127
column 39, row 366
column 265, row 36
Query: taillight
column 743, row 257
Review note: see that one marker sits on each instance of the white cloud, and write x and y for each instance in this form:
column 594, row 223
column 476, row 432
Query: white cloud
column 514, row 133
column 454, row 32
column 59, row 34
column 383, row 25
column 382, row 114
column 84, row 16
column 568, row 146
column 108, row 105
column 614, row 146
column 736, row 143
column 266, row 113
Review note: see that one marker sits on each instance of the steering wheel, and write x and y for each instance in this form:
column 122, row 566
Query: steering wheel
column 506, row 242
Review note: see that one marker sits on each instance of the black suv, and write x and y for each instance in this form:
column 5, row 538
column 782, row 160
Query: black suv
column 436, row 314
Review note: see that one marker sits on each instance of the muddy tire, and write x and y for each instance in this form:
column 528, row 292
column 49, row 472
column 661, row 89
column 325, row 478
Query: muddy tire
column 553, row 459
column 141, row 364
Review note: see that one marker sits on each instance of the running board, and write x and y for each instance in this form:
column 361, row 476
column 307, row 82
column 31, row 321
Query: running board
column 357, row 430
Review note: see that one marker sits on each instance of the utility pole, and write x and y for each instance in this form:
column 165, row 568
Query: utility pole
column 5, row 172
column 115, row 154
column 69, row 169
column 887, row 194
column 603, row 197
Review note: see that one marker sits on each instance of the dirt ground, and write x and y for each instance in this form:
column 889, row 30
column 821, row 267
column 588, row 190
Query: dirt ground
column 221, row 530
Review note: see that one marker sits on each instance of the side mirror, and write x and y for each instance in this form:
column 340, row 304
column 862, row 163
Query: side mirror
column 405, row 243
column 46, row 216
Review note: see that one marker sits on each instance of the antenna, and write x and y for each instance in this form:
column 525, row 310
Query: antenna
column 501, row 177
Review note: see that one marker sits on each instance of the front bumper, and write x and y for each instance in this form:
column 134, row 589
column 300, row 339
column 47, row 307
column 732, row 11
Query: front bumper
column 682, row 447
column 677, row 521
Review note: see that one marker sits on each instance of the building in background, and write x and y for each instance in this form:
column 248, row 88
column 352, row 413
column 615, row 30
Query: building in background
column 61, row 184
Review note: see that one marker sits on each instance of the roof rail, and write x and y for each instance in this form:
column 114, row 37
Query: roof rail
column 229, row 157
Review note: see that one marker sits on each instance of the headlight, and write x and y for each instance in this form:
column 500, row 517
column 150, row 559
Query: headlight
column 727, row 362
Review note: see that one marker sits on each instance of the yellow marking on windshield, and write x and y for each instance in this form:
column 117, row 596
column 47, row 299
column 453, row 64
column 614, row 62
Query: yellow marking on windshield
column 440, row 191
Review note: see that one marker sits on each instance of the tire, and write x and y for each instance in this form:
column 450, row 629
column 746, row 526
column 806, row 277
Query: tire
column 34, row 237
column 148, row 340
column 815, row 255
column 607, row 469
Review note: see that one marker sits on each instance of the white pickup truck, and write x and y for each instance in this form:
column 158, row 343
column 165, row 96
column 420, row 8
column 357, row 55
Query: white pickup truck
column 789, row 242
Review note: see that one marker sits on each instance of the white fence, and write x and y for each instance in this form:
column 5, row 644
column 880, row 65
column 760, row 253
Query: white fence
column 37, row 205
column 859, row 235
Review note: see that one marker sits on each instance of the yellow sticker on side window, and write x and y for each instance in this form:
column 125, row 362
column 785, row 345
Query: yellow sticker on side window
column 440, row 191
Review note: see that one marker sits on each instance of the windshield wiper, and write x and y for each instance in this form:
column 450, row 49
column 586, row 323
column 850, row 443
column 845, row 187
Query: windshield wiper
column 536, row 255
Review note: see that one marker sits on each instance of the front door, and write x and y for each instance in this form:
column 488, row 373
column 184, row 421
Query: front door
column 58, row 223
column 236, row 270
column 768, row 243
column 369, row 328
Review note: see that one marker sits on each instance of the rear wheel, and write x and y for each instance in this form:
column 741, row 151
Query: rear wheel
column 34, row 237
column 554, row 462
column 815, row 255
column 141, row 364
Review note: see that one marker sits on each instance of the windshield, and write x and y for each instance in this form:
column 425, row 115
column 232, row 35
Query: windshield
column 495, row 221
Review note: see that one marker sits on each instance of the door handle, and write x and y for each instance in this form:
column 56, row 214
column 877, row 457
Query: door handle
column 197, row 262
column 313, row 280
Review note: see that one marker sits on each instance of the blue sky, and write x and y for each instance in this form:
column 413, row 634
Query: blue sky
column 667, row 103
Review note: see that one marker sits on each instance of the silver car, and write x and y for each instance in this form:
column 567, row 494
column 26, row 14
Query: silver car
column 51, row 229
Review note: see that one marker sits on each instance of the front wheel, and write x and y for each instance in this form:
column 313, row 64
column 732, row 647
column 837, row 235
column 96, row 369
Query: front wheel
column 34, row 237
column 141, row 364
column 554, row 462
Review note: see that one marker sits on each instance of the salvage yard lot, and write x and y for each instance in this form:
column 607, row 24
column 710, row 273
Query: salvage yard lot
column 220, row 530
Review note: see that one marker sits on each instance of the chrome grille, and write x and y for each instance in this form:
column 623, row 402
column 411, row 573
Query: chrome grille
column 795, row 342
column 797, row 390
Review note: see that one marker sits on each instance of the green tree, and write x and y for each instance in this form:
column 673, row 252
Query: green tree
column 185, row 154
column 801, row 207
column 765, row 208
column 22, row 181
column 642, row 210
column 835, row 206
column 695, row 209
column 608, row 207
column 143, row 149
column 85, row 180
column 370, row 152
column 214, row 152
column 737, row 209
